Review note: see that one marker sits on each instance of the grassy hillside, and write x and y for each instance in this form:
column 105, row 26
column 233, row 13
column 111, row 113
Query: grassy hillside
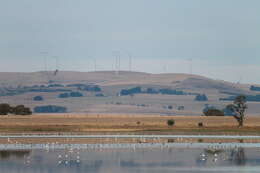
column 21, row 88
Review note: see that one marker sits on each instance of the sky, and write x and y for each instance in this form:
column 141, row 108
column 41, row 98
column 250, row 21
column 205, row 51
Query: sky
column 214, row 38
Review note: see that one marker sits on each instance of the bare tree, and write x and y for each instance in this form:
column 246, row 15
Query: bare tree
column 238, row 108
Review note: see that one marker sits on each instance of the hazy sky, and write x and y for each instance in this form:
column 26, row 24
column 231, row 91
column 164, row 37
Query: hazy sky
column 221, row 36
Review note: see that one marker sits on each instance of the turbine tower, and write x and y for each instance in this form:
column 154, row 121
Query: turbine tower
column 117, row 63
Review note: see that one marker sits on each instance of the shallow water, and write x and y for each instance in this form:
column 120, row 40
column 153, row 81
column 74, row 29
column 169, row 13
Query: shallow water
column 144, row 160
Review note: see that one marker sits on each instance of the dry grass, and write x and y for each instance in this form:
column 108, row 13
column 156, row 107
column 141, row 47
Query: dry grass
column 127, row 124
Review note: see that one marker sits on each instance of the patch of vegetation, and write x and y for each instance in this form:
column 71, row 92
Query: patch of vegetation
column 38, row 98
column 50, row 109
column 253, row 98
column 131, row 91
column 76, row 94
column 170, row 122
column 213, row 112
column 6, row 109
column 138, row 90
column 55, row 85
column 86, row 87
column 21, row 110
column 167, row 91
column 63, row 95
column 71, row 94
column 254, row 88
column 238, row 108
column 200, row 124
column 201, row 97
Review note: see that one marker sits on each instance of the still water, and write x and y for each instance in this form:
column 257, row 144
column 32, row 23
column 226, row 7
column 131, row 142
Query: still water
column 164, row 160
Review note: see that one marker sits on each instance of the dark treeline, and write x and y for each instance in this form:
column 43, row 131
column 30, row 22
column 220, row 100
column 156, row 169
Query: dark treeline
column 50, row 109
column 253, row 98
column 254, row 88
column 164, row 91
column 71, row 94
column 6, row 109
column 85, row 87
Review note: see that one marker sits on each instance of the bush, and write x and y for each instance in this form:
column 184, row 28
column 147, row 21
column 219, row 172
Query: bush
column 38, row 98
column 170, row 107
column 21, row 110
column 201, row 97
column 214, row 112
column 254, row 88
column 200, row 124
column 170, row 122
column 135, row 90
column 76, row 94
column 50, row 109
column 151, row 91
column 167, row 91
column 91, row 88
column 64, row 95
column 5, row 109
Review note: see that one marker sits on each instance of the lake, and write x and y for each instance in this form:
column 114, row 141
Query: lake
column 131, row 160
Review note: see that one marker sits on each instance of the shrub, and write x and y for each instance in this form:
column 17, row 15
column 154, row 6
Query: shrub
column 76, row 94
column 50, row 109
column 135, row 90
column 21, row 110
column 200, row 140
column 38, row 98
column 91, row 88
column 170, row 107
column 201, row 97
column 5, row 109
column 151, row 91
column 200, row 124
column 254, row 88
column 170, row 122
column 64, row 95
column 168, row 91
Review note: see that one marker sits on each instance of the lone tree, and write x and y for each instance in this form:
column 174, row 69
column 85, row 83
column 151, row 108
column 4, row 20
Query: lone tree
column 238, row 108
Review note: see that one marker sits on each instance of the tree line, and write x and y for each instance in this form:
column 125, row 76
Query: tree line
column 6, row 109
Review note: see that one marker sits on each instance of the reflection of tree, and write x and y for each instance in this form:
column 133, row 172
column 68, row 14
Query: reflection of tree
column 238, row 157
column 7, row 154
column 213, row 151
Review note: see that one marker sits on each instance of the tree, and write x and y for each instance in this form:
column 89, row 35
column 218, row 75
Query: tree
column 21, row 110
column 38, row 98
column 4, row 109
column 201, row 97
column 238, row 108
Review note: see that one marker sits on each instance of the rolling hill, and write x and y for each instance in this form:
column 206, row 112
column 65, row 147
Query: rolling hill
column 20, row 88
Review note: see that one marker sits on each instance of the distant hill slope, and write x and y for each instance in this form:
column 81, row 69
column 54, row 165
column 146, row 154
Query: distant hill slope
column 123, row 78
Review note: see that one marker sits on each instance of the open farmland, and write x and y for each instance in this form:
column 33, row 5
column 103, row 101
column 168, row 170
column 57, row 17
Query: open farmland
column 125, row 124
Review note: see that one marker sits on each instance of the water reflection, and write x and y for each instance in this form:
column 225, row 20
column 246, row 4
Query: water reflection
column 129, row 161
column 11, row 153
column 238, row 157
